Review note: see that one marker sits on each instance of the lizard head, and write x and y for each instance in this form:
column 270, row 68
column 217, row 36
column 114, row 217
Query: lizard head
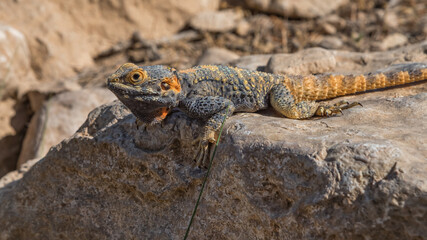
column 149, row 91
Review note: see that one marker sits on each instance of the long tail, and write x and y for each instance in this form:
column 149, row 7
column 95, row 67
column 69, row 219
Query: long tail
column 327, row 86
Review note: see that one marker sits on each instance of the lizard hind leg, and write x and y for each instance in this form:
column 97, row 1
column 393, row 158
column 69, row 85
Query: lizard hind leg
column 284, row 102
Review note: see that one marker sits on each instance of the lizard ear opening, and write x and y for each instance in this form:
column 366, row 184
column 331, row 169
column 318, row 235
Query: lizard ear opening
column 165, row 86
column 171, row 83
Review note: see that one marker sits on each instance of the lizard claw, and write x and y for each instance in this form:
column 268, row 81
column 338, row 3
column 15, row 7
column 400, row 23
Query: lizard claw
column 203, row 153
column 204, row 150
column 140, row 124
column 327, row 111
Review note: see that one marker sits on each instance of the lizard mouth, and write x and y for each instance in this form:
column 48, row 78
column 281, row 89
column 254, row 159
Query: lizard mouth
column 124, row 90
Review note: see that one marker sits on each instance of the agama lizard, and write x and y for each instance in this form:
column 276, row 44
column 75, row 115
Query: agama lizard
column 205, row 92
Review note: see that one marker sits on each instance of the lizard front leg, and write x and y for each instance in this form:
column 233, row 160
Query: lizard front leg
column 213, row 110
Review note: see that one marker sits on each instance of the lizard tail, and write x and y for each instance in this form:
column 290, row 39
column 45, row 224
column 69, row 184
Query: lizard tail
column 327, row 86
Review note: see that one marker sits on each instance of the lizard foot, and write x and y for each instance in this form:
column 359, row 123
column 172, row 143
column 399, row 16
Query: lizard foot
column 140, row 124
column 327, row 111
column 206, row 144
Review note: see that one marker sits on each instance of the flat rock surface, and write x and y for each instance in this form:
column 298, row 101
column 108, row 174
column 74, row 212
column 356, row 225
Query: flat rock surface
column 359, row 175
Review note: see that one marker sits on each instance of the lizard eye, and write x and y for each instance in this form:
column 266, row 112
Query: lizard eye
column 165, row 86
column 137, row 76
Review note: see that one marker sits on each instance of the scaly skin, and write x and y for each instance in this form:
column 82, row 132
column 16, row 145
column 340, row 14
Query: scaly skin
column 205, row 92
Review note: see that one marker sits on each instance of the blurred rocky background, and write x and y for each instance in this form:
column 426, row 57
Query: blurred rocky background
column 55, row 55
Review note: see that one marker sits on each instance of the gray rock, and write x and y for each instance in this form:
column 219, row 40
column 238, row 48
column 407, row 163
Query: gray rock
column 217, row 56
column 317, row 60
column 18, row 174
column 331, row 42
column 243, row 28
column 342, row 177
column 296, row 8
column 58, row 118
column 354, row 62
column 253, row 62
column 393, row 41
column 308, row 61
column 328, row 28
column 391, row 20
column 333, row 19
column 216, row 21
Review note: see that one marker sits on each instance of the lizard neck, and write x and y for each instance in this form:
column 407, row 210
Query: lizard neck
column 187, row 81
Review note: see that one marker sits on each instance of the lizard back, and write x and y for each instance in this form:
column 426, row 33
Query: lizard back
column 247, row 89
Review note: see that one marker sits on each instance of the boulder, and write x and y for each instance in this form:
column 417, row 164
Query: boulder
column 252, row 62
column 348, row 176
column 216, row 21
column 330, row 42
column 393, row 41
column 318, row 60
column 58, row 118
column 217, row 56
column 307, row 61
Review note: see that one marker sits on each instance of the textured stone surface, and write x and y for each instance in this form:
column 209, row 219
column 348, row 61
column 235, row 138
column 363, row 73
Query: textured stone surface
column 330, row 178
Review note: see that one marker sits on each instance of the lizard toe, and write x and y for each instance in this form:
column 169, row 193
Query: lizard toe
column 331, row 110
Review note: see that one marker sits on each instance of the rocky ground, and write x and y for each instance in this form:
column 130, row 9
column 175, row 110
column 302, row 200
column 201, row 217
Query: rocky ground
column 358, row 176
